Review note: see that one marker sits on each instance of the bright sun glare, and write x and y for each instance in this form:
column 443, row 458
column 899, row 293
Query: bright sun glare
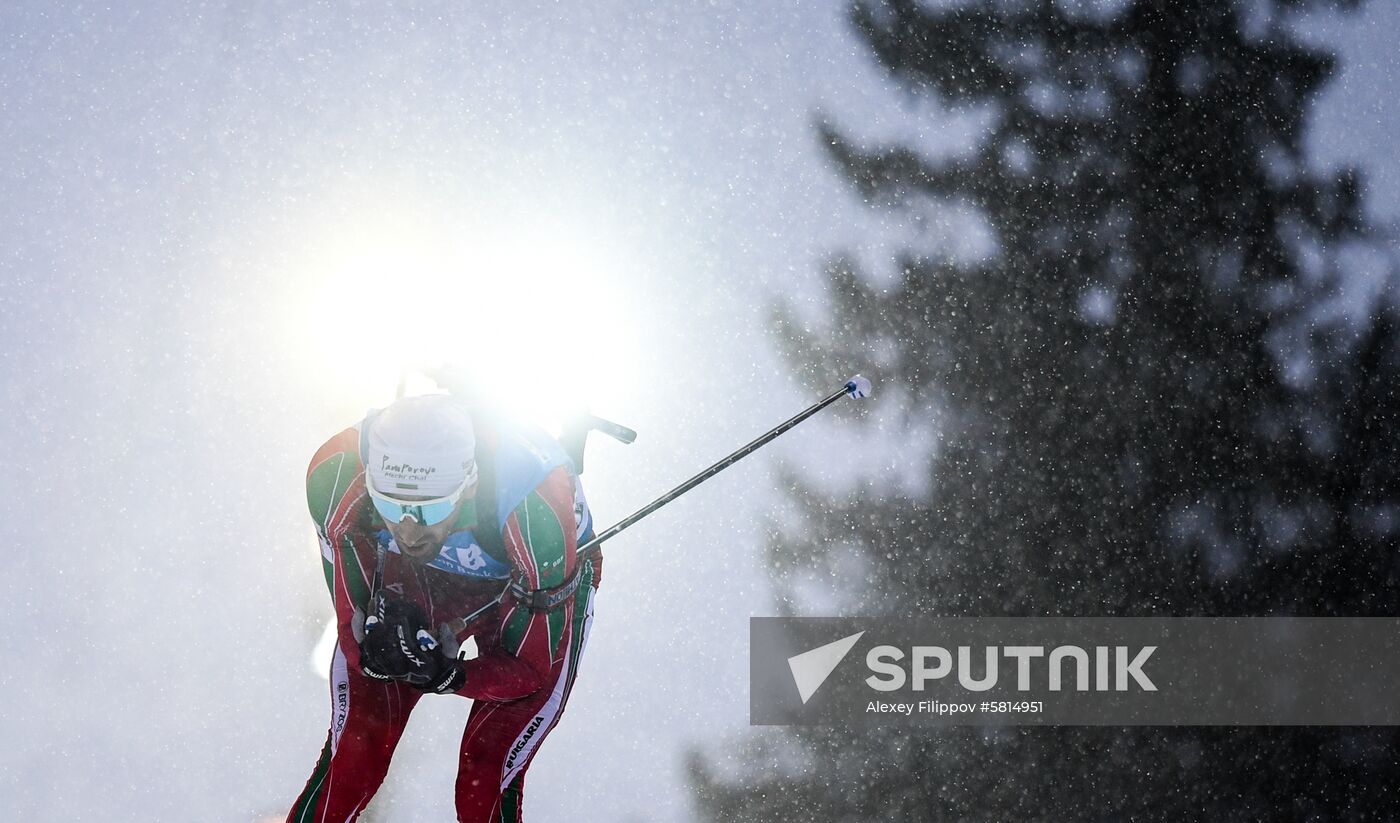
column 537, row 312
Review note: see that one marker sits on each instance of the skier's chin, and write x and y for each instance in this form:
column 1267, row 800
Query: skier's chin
column 422, row 553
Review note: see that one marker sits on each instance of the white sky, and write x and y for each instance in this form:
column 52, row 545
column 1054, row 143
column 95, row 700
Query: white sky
column 174, row 181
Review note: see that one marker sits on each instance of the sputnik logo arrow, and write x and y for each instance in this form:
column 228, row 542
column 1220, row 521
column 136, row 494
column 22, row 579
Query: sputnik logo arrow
column 811, row 668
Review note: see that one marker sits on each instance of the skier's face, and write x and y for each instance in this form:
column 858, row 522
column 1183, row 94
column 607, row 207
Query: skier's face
column 421, row 543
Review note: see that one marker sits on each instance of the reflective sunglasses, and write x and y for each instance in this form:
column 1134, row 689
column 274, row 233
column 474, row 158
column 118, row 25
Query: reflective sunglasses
column 425, row 512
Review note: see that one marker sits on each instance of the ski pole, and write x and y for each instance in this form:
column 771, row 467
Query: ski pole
column 856, row 387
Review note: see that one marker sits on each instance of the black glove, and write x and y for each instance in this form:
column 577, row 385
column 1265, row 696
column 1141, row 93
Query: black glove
column 398, row 645
column 449, row 679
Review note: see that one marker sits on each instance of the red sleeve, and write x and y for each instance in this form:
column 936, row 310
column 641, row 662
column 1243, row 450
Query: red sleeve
column 541, row 539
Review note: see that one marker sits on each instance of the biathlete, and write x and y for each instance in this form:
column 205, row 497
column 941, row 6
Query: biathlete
column 425, row 515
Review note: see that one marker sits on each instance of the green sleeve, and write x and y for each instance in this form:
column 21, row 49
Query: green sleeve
column 544, row 539
column 326, row 484
column 542, row 559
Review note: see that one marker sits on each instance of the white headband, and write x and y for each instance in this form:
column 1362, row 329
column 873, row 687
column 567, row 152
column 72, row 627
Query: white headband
column 421, row 446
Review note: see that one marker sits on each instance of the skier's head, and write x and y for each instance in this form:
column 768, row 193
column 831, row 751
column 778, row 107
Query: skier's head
column 420, row 468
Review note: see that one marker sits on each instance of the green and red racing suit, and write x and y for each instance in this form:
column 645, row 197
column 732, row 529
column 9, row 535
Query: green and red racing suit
column 527, row 658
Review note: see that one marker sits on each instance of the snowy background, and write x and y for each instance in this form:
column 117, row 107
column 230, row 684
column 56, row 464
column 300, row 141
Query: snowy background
column 184, row 191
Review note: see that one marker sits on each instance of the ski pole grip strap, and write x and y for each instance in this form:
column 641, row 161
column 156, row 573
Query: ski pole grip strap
column 546, row 600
